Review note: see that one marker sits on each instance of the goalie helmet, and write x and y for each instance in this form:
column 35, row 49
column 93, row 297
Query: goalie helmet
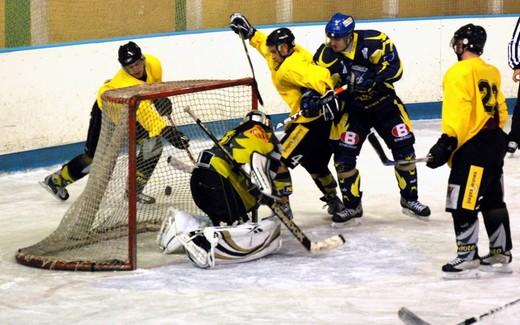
column 339, row 26
column 129, row 53
column 260, row 117
column 280, row 36
column 469, row 37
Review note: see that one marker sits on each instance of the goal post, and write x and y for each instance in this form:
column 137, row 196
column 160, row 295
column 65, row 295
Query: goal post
column 108, row 227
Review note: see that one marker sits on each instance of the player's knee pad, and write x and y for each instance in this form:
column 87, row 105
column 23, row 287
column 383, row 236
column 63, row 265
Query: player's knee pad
column 345, row 164
column 325, row 182
column 349, row 185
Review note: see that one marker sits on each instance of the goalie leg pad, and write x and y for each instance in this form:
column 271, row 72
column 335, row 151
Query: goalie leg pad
column 178, row 222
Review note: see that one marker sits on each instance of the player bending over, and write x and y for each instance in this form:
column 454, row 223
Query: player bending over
column 226, row 191
column 136, row 69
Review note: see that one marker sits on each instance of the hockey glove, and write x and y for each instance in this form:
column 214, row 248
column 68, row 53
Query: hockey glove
column 330, row 105
column 310, row 104
column 163, row 106
column 175, row 137
column 239, row 24
column 441, row 152
column 512, row 146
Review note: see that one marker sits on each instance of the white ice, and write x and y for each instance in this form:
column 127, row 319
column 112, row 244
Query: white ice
column 390, row 260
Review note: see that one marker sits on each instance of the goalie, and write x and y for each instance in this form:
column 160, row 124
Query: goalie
column 226, row 194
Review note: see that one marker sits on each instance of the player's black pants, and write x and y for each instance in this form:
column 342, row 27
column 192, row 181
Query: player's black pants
column 215, row 195
column 514, row 135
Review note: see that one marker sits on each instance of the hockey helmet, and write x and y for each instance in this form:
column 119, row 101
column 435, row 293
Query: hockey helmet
column 340, row 25
column 280, row 36
column 260, row 117
column 129, row 53
column 469, row 37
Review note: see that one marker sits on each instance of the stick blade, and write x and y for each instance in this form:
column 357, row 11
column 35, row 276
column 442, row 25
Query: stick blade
column 410, row 318
column 327, row 244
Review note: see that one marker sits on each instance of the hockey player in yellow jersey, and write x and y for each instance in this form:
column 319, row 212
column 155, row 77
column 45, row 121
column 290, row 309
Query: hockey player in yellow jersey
column 474, row 145
column 368, row 62
column 298, row 81
column 225, row 193
column 136, row 69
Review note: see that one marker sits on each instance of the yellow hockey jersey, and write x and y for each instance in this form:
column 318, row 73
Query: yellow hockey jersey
column 146, row 114
column 297, row 71
column 472, row 96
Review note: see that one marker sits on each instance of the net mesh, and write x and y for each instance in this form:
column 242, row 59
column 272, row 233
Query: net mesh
column 25, row 22
column 93, row 233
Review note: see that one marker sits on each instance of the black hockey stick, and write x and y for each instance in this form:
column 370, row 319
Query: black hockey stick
column 188, row 151
column 311, row 246
column 372, row 138
column 260, row 100
column 410, row 318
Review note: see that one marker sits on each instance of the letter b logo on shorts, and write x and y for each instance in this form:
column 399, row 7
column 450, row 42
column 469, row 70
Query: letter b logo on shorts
column 400, row 130
column 350, row 138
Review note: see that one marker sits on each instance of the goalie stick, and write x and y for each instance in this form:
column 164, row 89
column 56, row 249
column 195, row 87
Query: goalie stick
column 372, row 138
column 293, row 117
column 311, row 246
column 410, row 318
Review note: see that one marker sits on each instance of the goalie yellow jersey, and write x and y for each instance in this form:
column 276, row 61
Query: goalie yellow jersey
column 297, row 71
column 471, row 97
column 241, row 142
column 146, row 114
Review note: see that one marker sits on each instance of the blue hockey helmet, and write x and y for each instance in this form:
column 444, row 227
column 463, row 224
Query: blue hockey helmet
column 340, row 25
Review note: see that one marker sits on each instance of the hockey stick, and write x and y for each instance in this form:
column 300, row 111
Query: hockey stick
column 293, row 117
column 312, row 246
column 410, row 318
column 384, row 159
column 188, row 151
column 260, row 100
column 179, row 165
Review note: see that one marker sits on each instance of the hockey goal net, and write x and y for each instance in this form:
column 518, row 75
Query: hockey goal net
column 103, row 228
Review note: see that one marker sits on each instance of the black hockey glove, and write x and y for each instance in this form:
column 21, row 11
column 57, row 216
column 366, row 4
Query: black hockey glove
column 163, row 106
column 310, row 104
column 175, row 137
column 239, row 24
column 330, row 105
column 441, row 152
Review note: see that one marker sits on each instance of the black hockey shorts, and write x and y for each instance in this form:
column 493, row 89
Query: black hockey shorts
column 391, row 122
column 307, row 144
column 475, row 181
column 215, row 195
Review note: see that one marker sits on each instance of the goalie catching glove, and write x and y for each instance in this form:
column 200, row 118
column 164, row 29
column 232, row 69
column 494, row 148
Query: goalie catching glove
column 312, row 104
column 239, row 24
column 175, row 137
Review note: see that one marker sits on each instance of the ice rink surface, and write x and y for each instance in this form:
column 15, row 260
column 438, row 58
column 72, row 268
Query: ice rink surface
column 389, row 261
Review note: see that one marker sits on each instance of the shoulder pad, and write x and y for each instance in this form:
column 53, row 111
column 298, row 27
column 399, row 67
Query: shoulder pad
column 325, row 57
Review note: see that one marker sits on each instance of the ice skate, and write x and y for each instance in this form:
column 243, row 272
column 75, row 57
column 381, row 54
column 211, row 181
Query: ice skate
column 333, row 203
column 52, row 186
column 499, row 263
column 415, row 209
column 348, row 217
column 459, row 268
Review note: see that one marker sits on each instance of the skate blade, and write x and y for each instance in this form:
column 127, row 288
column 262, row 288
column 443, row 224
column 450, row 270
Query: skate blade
column 496, row 268
column 350, row 223
column 466, row 274
column 55, row 195
column 416, row 216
